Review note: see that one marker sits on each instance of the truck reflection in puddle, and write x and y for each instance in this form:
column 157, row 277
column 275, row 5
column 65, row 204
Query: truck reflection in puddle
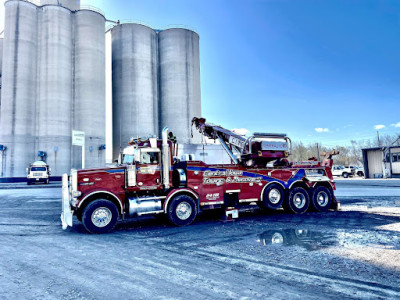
column 309, row 240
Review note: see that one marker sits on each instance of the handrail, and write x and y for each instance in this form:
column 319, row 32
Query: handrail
column 140, row 22
column 92, row 8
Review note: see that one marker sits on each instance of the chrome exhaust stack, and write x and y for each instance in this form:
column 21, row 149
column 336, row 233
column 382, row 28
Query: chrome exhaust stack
column 165, row 158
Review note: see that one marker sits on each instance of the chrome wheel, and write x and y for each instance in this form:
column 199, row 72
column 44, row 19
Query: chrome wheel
column 183, row 210
column 101, row 217
column 322, row 199
column 299, row 200
column 274, row 196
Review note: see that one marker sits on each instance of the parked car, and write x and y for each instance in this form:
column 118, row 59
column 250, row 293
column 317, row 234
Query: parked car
column 343, row 171
column 352, row 169
column 360, row 171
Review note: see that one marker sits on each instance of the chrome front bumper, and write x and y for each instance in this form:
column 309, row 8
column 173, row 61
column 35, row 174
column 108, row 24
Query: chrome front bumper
column 67, row 213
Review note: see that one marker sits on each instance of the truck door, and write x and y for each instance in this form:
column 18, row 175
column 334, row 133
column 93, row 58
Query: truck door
column 149, row 169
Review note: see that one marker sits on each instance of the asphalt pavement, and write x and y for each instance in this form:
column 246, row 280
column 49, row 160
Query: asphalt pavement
column 351, row 253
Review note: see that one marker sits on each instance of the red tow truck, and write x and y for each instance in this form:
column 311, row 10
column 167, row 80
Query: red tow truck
column 150, row 180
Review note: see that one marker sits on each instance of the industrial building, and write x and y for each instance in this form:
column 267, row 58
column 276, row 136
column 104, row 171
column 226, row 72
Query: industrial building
column 382, row 162
column 54, row 82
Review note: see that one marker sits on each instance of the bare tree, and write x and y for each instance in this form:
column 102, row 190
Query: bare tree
column 349, row 155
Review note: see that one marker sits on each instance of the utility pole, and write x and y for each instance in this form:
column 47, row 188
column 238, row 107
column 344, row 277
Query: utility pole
column 318, row 151
column 379, row 141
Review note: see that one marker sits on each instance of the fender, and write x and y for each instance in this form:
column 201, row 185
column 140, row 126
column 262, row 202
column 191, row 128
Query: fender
column 315, row 183
column 295, row 182
column 265, row 186
column 102, row 192
column 177, row 191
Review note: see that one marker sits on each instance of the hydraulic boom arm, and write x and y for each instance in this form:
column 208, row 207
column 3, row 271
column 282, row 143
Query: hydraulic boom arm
column 257, row 149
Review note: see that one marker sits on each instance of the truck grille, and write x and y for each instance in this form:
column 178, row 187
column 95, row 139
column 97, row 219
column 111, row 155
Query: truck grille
column 37, row 174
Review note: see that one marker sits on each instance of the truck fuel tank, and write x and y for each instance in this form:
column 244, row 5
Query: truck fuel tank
column 145, row 205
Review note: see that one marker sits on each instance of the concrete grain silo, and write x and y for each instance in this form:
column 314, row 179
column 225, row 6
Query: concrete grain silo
column 55, row 86
column 53, row 83
column 135, row 83
column 19, row 86
column 180, row 97
column 89, row 85
column 1, row 63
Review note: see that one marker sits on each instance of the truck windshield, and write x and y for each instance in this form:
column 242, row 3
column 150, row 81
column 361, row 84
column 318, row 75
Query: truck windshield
column 33, row 169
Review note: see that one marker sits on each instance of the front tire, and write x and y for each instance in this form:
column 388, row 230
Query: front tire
column 297, row 201
column 182, row 210
column 273, row 196
column 100, row 216
column 321, row 198
column 360, row 173
column 345, row 175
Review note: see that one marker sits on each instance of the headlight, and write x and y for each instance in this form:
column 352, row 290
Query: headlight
column 315, row 172
column 76, row 194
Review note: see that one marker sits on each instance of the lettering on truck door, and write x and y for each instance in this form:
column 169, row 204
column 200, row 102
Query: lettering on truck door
column 213, row 187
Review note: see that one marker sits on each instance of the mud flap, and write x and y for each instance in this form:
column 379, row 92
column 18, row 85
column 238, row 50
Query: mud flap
column 335, row 204
column 67, row 213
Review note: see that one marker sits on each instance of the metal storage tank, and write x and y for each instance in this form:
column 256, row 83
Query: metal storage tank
column 135, row 83
column 1, row 61
column 89, row 84
column 70, row 4
column 180, row 82
column 54, row 102
column 17, row 121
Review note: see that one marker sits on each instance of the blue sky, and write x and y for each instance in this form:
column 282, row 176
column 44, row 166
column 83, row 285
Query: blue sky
column 289, row 65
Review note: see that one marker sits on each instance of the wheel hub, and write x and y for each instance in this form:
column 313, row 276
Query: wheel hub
column 183, row 210
column 299, row 200
column 274, row 196
column 101, row 216
column 322, row 199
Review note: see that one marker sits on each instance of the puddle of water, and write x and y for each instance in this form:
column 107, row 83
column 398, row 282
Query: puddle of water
column 316, row 240
column 309, row 240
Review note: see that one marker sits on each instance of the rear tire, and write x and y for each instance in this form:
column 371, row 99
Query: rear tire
column 182, row 210
column 360, row 173
column 273, row 196
column 297, row 201
column 100, row 216
column 321, row 198
column 345, row 175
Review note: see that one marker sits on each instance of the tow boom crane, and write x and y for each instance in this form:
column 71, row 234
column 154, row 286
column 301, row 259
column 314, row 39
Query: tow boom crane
column 258, row 149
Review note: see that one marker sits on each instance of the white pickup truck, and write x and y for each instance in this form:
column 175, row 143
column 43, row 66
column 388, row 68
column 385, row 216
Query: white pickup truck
column 38, row 171
column 343, row 171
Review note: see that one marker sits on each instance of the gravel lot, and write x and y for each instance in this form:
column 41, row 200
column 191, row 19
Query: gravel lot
column 352, row 253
